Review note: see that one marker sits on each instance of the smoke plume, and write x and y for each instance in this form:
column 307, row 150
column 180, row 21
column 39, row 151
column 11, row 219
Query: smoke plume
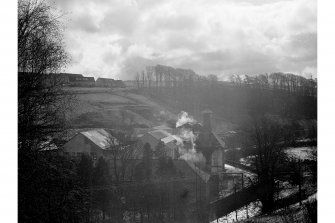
column 186, row 140
column 184, row 118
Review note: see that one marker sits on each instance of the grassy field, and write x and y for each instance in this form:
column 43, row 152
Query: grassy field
column 125, row 109
column 114, row 108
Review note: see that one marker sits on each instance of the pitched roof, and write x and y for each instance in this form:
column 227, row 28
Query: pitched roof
column 100, row 137
column 168, row 139
column 159, row 134
column 171, row 145
column 162, row 127
column 170, row 142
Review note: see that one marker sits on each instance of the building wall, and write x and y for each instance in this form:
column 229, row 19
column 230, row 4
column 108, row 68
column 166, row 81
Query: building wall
column 147, row 138
column 104, row 83
column 199, row 190
column 80, row 144
column 119, row 83
column 217, row 161
column 171, row 150
column 82, row 83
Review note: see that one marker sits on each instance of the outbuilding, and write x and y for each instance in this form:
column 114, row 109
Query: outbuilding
column 96, row 143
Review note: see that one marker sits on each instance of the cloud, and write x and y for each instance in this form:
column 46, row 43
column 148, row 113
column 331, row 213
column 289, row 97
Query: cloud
column 133, row 65
column 117, row 38
column 84, row 22
column 309, row 72
column 303, row 46
column 122, row 20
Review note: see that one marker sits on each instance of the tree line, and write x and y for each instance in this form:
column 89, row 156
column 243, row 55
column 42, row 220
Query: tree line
column 287, row 95
column 278, row 81
column 166, row 76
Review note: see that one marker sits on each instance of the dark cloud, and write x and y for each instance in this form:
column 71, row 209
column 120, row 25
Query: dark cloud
column 122, row 20
column 228, row 62
column 218, row 36
column 304, row 46
column 84, row 22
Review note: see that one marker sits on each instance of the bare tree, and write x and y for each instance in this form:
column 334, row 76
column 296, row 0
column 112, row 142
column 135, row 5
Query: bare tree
column 40, row 42
column 123, row 150
column 149, row 76
column 143, row 78
column 137, row 78
column 41, row 100
column 212, row 78
column 42, row 106
column 267, row 135
column 236, row 79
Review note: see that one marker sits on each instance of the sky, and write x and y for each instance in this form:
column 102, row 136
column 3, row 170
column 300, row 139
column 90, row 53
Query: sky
column 117, row 38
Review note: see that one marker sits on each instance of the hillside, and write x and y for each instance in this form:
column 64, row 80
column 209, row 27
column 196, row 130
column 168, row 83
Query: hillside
column 114, row 108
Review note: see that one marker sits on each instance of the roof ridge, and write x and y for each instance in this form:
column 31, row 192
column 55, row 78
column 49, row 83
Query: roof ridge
column 94, row 135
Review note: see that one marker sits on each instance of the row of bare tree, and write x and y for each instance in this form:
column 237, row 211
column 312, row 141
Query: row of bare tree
column 166, row 76
column 278, row 81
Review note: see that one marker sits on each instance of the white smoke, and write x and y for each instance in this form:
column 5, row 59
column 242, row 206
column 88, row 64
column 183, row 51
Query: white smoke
column 184, row 118
column 190, row 154
column 194, row 157
column 187, row 137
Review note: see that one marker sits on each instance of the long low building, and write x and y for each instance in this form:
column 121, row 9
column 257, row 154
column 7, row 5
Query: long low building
column 155, row 137
column 109, row 82
column 72, row 80
column 65, row 77
column 81, row 81
column 105, row 82
column 95, row 143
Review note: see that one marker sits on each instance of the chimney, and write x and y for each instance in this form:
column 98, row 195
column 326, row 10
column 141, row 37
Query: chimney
column 206, row 114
